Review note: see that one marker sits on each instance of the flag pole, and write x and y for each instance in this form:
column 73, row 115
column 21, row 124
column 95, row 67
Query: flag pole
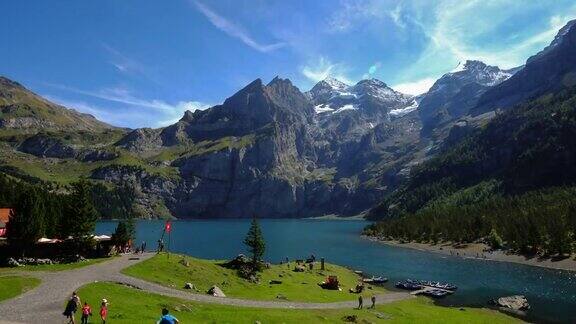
column 161, row 240
column 168, row 229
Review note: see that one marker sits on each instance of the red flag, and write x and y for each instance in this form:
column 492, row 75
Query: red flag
column 168, row 226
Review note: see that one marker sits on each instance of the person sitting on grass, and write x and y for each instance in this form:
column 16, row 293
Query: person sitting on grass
column 167, row 318
column 86, row 311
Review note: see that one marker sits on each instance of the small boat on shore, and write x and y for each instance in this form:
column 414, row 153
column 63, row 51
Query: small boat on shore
column 375, row 280
column 439, row 285
column 408, row 285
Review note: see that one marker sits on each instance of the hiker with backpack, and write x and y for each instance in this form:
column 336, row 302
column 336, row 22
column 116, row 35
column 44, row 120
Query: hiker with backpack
column 86, row 312
column 71, row 308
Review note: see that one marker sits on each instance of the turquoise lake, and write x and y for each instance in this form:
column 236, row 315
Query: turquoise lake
column 551, row 293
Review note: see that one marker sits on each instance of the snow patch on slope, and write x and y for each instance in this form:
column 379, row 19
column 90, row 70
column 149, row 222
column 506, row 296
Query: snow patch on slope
column 403, row 111
column 323, row 109
column 345, row 107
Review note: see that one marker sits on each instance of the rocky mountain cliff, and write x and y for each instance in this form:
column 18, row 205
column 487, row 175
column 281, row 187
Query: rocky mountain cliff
column 267, row 151
column 271, row 150
column 264, row 151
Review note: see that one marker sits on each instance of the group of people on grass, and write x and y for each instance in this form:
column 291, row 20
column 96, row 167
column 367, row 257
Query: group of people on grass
column 361, row 302
column 74, row 304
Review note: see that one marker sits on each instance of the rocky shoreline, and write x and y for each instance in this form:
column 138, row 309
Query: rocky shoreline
column 479, row 251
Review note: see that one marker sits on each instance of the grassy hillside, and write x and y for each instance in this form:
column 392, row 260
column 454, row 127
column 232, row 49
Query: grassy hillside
column 295, row 286
column 29, row 112
column 128, row 305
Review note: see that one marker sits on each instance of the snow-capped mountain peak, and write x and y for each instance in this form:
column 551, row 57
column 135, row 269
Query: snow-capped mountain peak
column 475, row 71
column 456, row 92
column 372, row 82
column 335, row 84
column 379, row 91
column 371, row 96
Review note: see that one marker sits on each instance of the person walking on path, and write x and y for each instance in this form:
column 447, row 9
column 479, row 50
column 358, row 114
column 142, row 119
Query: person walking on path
column 373, row 299
column 167, row 318
column 360, row 302
column 71, row 308
column 104, row 311
column 86, row 312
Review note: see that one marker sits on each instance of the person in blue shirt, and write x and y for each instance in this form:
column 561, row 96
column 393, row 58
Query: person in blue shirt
column 167, row 318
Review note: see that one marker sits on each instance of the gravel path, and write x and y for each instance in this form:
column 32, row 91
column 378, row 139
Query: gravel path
column 45, row 303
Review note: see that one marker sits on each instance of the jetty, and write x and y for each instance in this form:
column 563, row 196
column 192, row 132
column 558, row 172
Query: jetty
column 427, row 288
column 432, row 292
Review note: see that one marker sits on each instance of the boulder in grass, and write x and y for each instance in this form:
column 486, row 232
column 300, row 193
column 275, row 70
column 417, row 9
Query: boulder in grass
column 188, row 285
column 299, row 268
column 216, row 292
column 13, row 263
column 238, row 262
column 517, row 302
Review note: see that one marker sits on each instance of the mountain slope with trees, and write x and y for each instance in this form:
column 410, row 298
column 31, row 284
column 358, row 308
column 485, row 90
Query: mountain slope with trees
column 509, row 182
column 514, row 179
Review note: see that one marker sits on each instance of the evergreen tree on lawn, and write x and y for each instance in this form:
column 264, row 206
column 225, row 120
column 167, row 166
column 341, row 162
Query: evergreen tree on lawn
column 255, row 242
column 81, row 215
column 125, row 232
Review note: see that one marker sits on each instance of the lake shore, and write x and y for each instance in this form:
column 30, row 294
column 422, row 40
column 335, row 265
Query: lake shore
column 481, row 251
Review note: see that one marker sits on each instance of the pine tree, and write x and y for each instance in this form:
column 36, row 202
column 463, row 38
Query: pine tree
column 81, row 215
column 26, row 223
column 255, row 242
column 125, row 232
column 495, row 240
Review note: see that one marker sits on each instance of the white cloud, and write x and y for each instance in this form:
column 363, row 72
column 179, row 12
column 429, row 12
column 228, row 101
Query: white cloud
column 462, row 30
column 166, row 113
column 179, row 110
column 121, row 62
column 235, row 30
column 350, row 13
column 416, row 87
column 119, row 95
column 396, row 16
column 323, row 69
column 459, row 26
column 372, row 70
column 115, row 117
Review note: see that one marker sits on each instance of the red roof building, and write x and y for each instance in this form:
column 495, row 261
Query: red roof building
column 4, row 218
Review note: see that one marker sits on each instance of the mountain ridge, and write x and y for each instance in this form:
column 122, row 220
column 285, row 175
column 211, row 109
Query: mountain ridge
column 268, row 150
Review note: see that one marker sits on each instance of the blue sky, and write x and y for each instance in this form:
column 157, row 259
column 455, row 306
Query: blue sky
column 142, row 63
